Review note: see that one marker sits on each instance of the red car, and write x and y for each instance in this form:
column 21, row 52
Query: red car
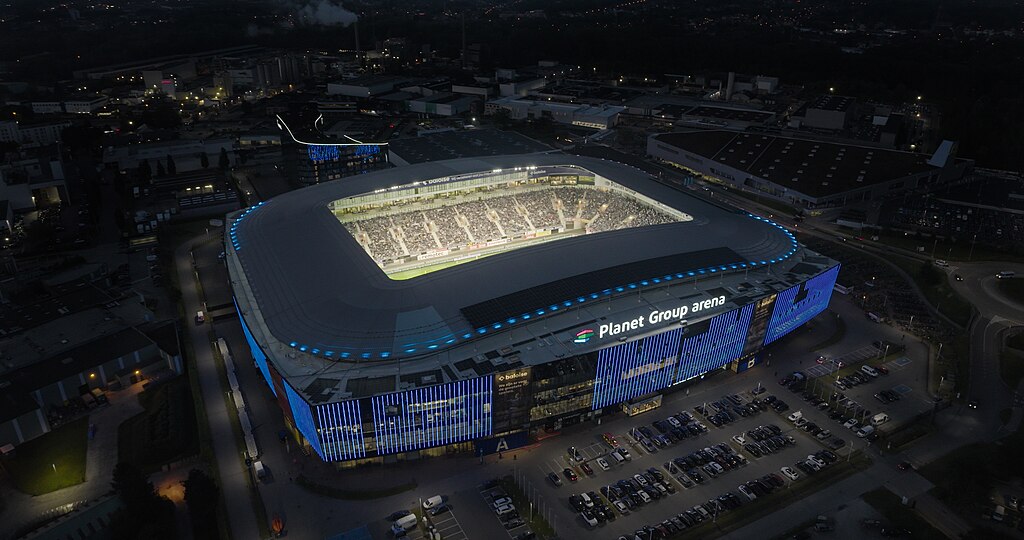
column 586, row 468
column 570, row 475
column 610, row 440
column 882, row 369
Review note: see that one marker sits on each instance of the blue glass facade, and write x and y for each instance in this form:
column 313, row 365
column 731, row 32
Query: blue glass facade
column 720, row 344
column 801, row 303
column 319, row 153
column 303, row 418
column 636, row 368
column 341, row 431
column 433, row 416
column 257, row 352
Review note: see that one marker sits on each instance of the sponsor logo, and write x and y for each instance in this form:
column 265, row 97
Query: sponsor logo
column 584, row 336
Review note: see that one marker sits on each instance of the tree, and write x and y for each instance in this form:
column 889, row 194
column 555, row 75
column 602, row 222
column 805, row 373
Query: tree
column 145, row 171
column 129, row 482
column 204, row 161
column 223, row 162
column 172, row 169
column 501, row 118
column 202, row 496
column 145, row 514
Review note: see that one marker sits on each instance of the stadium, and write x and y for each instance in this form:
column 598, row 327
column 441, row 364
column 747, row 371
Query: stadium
column 475, row 304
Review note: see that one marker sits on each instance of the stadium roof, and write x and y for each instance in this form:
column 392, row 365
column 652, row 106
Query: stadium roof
column 314, row 287
column 813, row 168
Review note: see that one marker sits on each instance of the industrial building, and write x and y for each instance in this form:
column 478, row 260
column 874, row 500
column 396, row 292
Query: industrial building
column 806, row 173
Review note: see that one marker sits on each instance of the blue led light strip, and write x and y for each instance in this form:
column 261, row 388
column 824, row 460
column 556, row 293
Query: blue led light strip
column 433, row 416
column 720, row 344
column 410, row 349
column 340, row 426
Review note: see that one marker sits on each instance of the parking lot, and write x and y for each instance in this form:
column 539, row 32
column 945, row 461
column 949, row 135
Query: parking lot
column 906, row 377
column 700, row 471
column 505, row 511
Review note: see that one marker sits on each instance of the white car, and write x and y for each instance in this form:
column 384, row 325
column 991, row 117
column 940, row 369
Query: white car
column 749, row 494
column 502, row 501
column 740, row 439
column 505, row 509
column 824, row 435
column 644, row 496
column 621, row 506
column 601, row 462
column 796, row 416
column 800, row 422
column 850, row 424
column 590, row 520
column 640, row 479
column 790, row 473
column 675, row 423
column 815, row 459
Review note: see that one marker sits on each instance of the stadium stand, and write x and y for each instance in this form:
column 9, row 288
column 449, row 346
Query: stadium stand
column 401, row 229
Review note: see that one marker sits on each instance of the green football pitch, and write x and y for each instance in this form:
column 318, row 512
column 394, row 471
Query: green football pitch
column 416, row 272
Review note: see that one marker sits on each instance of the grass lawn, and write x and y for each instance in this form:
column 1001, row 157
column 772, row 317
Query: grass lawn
column 943, row 249
column 888, row 504
column 838, row 333
column 965, row 477
column 417, row 272
column 1012, row 289
column 164, row 432
column 1011, row 366
column 909, row 434
column 32, row 470
column 936, row 289
column 1016, row 341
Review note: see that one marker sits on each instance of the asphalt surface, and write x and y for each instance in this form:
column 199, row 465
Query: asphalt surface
column 226, row 449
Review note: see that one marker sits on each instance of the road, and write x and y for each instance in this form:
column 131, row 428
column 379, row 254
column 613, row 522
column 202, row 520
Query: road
column 226, row 450
column 996, row 315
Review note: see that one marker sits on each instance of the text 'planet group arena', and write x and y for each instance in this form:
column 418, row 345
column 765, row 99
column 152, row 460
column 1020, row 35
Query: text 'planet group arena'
column 469, row 305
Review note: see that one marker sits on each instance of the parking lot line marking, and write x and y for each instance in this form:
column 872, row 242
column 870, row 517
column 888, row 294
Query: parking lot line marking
column 902, row 389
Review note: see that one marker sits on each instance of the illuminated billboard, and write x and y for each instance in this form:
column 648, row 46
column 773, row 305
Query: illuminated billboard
column 800, row 303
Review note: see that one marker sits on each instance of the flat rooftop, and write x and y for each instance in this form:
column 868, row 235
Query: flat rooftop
column 727, row 113
column 829, row 102
column 304, row 281
column 464, row 144
column 813, row 168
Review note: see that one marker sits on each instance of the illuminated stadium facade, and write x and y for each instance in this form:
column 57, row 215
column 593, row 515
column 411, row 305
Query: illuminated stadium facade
column 314, row 158
column 591, row 289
